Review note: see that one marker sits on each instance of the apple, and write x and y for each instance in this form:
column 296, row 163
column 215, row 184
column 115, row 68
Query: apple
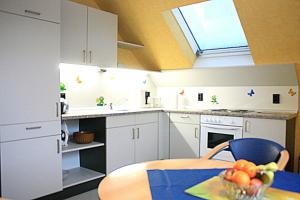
column 255, row 185
column 229, row 173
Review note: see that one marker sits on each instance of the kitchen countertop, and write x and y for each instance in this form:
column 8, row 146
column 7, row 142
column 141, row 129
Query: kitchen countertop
column 94, row 113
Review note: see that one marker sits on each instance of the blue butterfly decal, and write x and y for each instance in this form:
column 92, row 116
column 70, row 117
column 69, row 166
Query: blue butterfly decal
column 145, row 81
column 251, row 93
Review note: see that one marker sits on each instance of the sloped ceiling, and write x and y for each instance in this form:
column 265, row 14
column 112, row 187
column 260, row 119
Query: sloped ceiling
column 272, row 28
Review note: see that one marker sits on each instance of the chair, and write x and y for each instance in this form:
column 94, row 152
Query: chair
column 256, row 150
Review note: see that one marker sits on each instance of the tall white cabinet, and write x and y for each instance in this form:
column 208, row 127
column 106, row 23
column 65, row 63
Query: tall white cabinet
column 30, row 112
column 29, row 70
column 88, row 35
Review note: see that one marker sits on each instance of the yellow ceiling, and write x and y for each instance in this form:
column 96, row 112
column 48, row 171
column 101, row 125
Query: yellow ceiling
column 272, row 28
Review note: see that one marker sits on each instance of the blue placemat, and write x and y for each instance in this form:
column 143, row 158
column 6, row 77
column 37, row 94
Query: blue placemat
column 170, row 184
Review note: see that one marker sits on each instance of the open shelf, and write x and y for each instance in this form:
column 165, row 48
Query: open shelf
column 79, row 175
column 76, row 147
column 127, row 45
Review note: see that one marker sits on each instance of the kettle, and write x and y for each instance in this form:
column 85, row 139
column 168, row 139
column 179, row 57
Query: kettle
column 64, row 106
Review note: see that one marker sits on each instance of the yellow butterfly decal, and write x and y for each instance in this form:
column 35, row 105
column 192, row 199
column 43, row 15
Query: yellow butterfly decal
column 291, row 92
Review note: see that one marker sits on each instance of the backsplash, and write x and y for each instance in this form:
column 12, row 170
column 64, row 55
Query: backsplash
column 118, row 86
column 123, row 87
column 231, row 97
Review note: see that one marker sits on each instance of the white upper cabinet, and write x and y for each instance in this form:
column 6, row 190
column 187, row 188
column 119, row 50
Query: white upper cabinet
column 88, row 36
column 48, row 10
column 73, row 33
column 102, row 38
column 29, row 72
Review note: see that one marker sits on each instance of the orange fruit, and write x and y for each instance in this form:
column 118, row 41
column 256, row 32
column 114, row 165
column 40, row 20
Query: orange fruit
column 251, row 169
column 241, row 178
column 240, row 164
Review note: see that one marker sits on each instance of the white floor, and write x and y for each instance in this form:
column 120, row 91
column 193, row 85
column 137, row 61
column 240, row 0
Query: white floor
column 90, row 195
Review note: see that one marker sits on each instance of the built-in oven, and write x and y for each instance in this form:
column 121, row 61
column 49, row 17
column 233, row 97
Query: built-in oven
column 218, row 129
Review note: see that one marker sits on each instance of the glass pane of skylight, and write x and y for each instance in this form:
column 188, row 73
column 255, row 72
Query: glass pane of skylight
column 215, row 24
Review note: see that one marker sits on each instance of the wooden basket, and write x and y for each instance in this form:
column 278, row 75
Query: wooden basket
column 83, row 137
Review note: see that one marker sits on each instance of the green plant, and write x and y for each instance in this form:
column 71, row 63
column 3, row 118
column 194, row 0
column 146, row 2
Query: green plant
column 62, row 87
column 214, row 99
column 100, row 101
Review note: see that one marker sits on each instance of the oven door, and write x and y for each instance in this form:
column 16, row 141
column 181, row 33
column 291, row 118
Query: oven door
column 213, row 135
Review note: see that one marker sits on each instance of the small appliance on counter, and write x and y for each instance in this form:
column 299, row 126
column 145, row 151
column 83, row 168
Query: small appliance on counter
column 156, row 102
column 64, row 134
column 144, row 99
column 64, row 106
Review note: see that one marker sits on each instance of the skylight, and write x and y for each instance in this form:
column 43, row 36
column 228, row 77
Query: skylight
column 213, row 25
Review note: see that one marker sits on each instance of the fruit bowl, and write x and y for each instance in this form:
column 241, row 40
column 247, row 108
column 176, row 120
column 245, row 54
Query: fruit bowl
column 238, row 192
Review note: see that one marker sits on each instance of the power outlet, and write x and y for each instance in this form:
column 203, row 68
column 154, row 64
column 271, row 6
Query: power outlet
column 200, row 96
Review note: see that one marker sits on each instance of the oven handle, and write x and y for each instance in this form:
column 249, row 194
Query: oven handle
column 221, row 128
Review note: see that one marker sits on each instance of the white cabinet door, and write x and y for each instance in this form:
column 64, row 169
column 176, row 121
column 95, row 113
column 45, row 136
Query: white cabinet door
column 102, row 38
column 269, row 129
column 40, row 9
column 119, row 147
column 164, row 135
column 184, row 140
column 146, row 145
column 73, row 33
column 29, row 73
column 31, row 168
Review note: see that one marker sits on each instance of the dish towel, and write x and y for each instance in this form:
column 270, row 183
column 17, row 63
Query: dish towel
column 171, row 184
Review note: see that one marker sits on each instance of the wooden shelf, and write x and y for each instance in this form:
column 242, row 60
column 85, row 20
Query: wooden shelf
column 76, row 147
column 127, row 45
column 79, row 175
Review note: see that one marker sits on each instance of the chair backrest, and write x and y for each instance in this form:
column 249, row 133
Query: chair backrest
column 256, row 150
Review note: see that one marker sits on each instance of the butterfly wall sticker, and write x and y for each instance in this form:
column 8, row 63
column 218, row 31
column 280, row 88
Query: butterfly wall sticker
column 251, row 93
column 291, row 92
column 144, row 82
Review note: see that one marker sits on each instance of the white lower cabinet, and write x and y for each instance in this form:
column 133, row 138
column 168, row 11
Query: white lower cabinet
column 133, row 143
column 146, row 143
column 119, row 147
column 31, row 168
column 270, row 129
column 184, row 140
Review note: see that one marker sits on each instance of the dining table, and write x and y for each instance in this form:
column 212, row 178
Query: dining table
column 131, row 182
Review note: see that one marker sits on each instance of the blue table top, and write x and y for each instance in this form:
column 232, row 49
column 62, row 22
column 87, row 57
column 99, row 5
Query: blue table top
column 170, row 184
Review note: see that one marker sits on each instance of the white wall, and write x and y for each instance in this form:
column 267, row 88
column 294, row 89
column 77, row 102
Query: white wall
column 231, row 97
column 119, row 86
column 230, row 85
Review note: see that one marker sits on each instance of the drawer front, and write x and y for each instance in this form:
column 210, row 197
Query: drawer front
column 120, row 120
column 41, row 9
column 29, row 130
column 145, row 118
column 185, row 118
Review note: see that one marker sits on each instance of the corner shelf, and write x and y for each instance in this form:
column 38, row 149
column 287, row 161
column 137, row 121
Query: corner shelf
column 72, row 146
column 127, row 45
column 79, row 175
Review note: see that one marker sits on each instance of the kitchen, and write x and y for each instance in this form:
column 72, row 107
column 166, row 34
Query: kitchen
column 161, row 114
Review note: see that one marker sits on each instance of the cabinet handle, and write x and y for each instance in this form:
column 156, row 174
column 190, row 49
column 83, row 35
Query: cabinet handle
column 133, row 134
column 84, row 56
column 185, row 116
column 196, row 133
column 90, row 56
column 247, row 126
column 138, row 133
column 57, row 112
column 33, row 128
column 32, row 12
column 58, row 146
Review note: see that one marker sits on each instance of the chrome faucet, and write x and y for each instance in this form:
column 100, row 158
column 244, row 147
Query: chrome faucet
column 110, row 106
